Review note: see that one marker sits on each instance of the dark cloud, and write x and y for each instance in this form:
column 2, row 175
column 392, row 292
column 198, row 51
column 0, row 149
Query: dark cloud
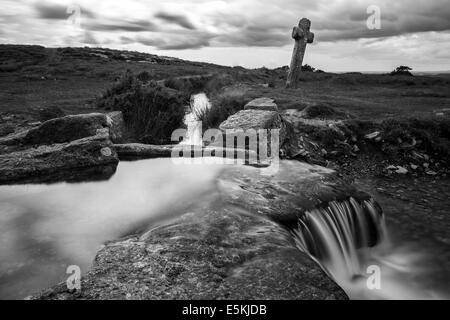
column 126, row 40
column 236, row 23
column 127, row 26
column 255, row 38
column 57, row 12
column 177, row 19
column 179, row 42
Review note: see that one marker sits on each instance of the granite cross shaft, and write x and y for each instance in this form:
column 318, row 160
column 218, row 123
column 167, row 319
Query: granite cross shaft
column 302, row 36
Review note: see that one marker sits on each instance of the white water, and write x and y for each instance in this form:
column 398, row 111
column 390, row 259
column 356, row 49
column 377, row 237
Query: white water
column 45, row 228
column 199, row 104
column 341, row 239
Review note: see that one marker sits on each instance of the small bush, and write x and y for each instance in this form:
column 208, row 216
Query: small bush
column 308, row 68
column 401, row 71
column 144, row 76
column 111, row 97
column 176, row 84
column 223, row 106
column 153, row 113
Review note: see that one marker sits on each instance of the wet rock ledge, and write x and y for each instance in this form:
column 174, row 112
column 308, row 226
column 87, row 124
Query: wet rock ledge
column 236, row 245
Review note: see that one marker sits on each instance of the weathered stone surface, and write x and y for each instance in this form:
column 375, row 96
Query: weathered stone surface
column 262, row 104
column 236, row 245
column 260, row 119
column 129, row 151
column 65, row 129
column 143, row 151
column 13, row 138
column 91, row 158
column 252, row 119
column 69, row 128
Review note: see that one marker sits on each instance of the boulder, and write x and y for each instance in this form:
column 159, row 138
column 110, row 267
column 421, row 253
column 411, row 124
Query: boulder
column 87, row 158
column 66, row 129
column 257, row 119
column 262, row 104
column 252, row 119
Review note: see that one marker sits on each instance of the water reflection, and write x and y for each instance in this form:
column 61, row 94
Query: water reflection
column 45, row 228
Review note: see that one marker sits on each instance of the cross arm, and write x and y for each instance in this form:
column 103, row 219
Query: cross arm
column 310, row 38
column 297, row 33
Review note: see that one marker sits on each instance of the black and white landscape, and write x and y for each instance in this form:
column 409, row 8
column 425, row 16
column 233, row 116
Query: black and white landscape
column 237, row 150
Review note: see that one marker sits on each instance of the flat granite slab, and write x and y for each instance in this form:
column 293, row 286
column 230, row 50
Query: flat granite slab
column 267, row 104
column 134, row 151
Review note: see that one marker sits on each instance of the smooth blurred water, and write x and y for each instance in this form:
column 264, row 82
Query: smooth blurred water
column 45, row 228
column 337, row 237
column 198, row 106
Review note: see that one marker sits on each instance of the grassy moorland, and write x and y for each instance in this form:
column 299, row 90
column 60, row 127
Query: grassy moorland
column 34, row 77
column 38, row 83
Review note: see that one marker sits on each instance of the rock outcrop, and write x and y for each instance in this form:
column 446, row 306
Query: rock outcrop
column 69, row 128
column 73, row 147
column 66, row 129
column 262, row 114
column 235, row 244
column 87, row 158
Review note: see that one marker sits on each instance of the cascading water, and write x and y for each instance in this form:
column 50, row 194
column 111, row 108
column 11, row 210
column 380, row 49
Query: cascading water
column 349, row 238
column 199, row 104
column 333, row 235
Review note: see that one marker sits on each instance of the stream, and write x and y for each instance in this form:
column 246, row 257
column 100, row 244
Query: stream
column 46, row 228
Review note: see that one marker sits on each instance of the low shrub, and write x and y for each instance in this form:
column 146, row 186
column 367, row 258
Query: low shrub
column 112, row 96
column 144, row 76
column 223, row 106
column 151, row 113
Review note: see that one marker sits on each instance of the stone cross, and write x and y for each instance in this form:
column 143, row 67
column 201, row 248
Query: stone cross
column 302, row 36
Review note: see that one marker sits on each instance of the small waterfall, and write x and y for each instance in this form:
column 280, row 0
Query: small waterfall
column 336, row 236
column 199, row 103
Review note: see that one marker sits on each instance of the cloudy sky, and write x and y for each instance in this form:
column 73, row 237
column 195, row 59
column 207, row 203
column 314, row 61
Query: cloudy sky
column 251, row 33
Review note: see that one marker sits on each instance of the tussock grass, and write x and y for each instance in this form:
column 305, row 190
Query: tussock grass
column 223, row 106
column 151, row 113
